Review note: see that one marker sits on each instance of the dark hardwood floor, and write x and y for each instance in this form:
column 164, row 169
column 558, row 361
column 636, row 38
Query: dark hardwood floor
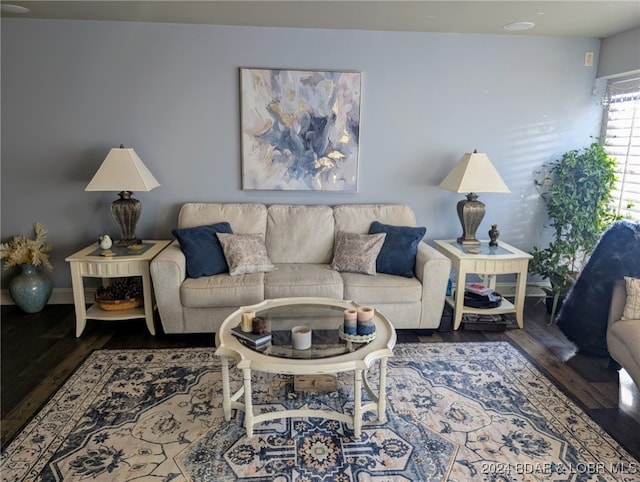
column 39, row 351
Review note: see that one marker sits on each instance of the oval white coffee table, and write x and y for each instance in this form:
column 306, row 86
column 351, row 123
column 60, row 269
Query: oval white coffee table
column 327, row 355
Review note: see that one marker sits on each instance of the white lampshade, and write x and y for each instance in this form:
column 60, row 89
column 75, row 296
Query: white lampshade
column 474, row 172
column 122, row 170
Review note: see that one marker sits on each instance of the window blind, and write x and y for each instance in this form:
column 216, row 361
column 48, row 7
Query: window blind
column 621, row 136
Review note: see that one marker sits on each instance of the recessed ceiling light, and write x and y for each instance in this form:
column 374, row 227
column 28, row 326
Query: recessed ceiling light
column 10, row 8
column 519, row 26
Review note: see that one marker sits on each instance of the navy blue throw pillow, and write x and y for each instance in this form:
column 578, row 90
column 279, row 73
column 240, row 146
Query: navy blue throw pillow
column 202, row 249
column 398, row 253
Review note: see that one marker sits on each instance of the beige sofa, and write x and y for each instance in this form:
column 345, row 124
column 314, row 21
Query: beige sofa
column 299, row 241
column 623, row 336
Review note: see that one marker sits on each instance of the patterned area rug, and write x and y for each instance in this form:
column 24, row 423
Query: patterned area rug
column 456, row 412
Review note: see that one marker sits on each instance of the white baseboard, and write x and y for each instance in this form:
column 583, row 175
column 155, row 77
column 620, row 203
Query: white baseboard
column 64, row 296
column 59, row 296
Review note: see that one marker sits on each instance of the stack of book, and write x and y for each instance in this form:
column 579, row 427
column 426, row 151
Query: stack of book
column 477, row 295
column 478, row 322
column 478, row 289
column 251, row 339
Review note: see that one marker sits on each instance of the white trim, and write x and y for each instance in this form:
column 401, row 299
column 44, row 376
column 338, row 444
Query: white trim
column 64, row 296
column 59, row 296
column 620, row 75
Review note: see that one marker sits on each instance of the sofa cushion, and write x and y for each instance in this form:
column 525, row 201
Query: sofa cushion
column 300, row 234
column 357, row 218
column 245, row 218
column 222, row 290
column 303, row 279
column 202, row 249
column 383, row 288
column 398, row 253
column 356, row 253
column 632, row 306
column 245, row 253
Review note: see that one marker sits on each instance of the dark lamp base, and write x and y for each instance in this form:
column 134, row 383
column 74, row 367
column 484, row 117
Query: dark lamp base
column 468, row 241
column 126, row 212
column 470, row 212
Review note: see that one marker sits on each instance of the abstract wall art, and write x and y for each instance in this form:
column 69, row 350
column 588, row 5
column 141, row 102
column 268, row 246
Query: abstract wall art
column 300, row 129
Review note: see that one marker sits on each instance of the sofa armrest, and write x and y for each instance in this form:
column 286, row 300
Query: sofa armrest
column 618, row 300
column 432, row 269
column 168, row 271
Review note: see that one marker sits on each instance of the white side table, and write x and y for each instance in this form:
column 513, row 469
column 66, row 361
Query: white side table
column 88, row 263
column 503, row 259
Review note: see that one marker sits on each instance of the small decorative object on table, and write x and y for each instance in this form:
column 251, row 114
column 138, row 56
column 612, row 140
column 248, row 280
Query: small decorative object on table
column 301, row 337
column 350, row 322
column 356, row 338
column 259, row 325
column 105, row 242
column 493, row 235
column 365, row 326
column 247, row 321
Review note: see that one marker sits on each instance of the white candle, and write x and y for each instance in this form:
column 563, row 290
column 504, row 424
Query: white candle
column 247, row 321
column 366, row 325
column 350, row 322
column 301, row 337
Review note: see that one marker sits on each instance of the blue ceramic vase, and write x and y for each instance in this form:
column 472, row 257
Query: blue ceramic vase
column 31, row 289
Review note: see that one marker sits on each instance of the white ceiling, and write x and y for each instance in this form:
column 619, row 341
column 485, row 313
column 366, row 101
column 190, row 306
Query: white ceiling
column 592, row 19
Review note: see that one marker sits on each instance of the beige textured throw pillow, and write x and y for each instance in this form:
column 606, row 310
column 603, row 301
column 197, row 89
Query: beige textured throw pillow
column 357, row 253
column 632, row 307
column 245, row 253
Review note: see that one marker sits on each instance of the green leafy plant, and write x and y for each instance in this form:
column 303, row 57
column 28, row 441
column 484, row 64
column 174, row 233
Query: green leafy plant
column 22, row 250
column 577, row 193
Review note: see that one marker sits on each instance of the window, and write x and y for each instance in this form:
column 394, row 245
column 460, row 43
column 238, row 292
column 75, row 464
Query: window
column 621, row 135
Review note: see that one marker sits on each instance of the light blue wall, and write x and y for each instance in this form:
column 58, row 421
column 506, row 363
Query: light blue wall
column 71, row 90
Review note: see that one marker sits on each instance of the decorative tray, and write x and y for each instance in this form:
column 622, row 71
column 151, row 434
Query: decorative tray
column 355, row 338
column 119, row 305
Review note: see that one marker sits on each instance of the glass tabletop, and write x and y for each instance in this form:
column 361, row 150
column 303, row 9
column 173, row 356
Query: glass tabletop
column 325, row 322
column 482, row 248
column 133, row 250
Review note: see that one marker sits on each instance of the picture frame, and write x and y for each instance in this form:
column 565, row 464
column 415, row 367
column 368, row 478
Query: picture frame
column 300, row 129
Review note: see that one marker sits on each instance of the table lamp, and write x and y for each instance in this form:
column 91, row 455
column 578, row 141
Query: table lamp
column 122, row 171
column 472, row 174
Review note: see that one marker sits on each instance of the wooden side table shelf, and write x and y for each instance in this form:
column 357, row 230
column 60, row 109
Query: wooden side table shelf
column 88, row 263
column 503, row 259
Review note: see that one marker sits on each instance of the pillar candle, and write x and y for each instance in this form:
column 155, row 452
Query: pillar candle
column 350, row 322
column 247, row 321
column 259, row 325
column 301, row 337
column 365, row 326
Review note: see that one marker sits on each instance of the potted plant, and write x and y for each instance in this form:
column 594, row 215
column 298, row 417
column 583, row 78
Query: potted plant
column 577, row 192
column 30, row 290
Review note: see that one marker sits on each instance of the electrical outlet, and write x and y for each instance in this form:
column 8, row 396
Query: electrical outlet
column 588, row 59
